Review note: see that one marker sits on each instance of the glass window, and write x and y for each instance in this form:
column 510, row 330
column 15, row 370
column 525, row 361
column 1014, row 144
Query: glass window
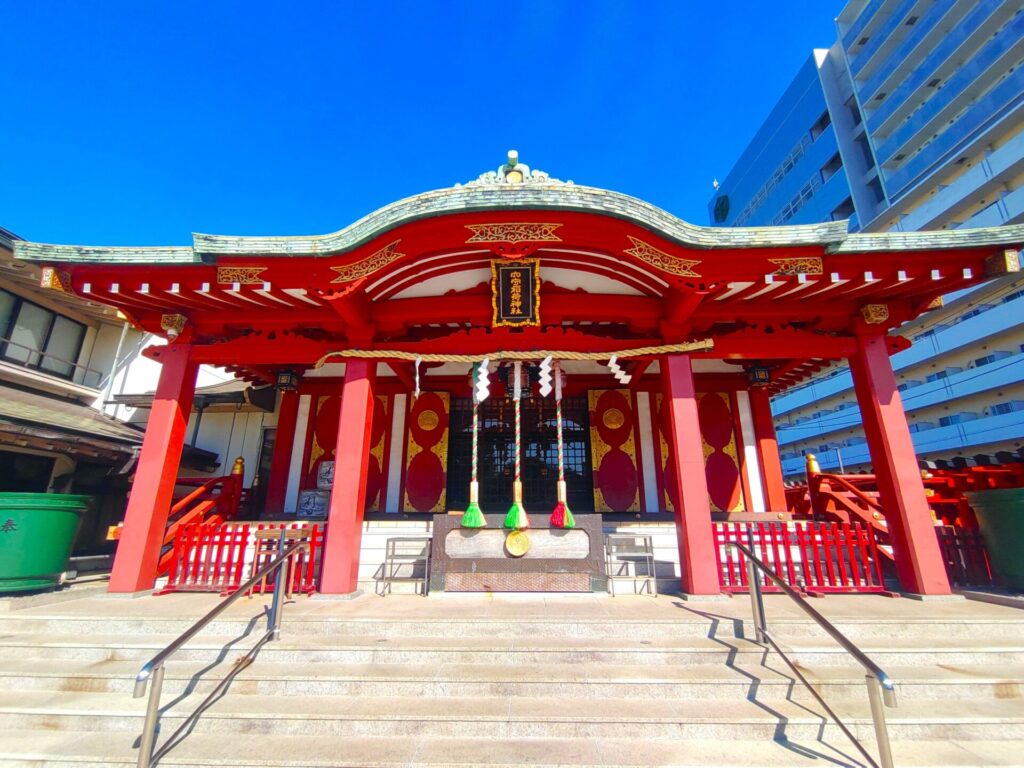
column 28, row 336
column 63, row 347
column 7, row 302
column 38, row 338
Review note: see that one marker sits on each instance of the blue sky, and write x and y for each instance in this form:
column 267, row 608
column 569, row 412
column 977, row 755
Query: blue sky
column 137, row 123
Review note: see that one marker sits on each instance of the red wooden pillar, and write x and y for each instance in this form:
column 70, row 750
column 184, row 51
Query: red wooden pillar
column 919, row 563
column 348, row 498
column 767, row 449
column 280, row 461
column 697, row 561
column 145, row 520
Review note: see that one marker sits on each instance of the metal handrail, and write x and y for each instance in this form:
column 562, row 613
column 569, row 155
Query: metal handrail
column 881, row 687
column 153, row 670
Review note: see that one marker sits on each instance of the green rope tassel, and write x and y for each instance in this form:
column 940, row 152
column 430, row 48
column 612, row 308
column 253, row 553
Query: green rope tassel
column 517, row 519
column 473, row 517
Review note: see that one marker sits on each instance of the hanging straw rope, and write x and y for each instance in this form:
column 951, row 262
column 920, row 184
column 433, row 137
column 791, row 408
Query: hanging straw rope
column 512, row 355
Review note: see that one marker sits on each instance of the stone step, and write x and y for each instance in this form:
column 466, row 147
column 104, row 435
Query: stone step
column 640, row 622
column 897, row 651
column 571, row 682
column 77, row 749
column 510, row 717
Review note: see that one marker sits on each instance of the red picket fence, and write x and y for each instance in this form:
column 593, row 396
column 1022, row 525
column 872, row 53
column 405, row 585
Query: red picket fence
column 815, row 557
column 212, row 557
column 965, row 555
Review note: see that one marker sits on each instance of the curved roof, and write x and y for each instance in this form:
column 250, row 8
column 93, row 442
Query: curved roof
column 544, row 194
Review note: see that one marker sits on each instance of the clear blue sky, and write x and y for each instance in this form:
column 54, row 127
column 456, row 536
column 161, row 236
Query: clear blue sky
column 137, row 123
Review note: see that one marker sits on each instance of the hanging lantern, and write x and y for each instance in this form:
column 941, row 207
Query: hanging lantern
column 287, row 381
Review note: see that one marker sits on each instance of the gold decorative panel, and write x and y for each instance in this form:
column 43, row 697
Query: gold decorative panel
column 666, row 262
column 242, row 275
column 518, row 232
column 375, row 261
column 808, row 265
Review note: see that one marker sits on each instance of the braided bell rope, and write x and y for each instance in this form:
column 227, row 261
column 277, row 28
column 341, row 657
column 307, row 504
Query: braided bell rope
column 385, row 354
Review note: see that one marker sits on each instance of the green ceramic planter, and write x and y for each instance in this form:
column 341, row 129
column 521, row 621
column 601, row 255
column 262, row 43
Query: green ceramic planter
column 37, row 531
column 1000, row 514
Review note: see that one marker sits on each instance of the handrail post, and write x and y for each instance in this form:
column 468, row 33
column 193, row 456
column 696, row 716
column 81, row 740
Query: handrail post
column 148, row 737
column 274, row 619
column 878, row 717
column 756, row 596
column 756, row 602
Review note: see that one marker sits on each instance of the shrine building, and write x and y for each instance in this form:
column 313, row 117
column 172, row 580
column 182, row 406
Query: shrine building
column 391, row 339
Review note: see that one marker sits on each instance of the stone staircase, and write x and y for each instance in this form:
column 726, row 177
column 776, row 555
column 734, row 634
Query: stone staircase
column 511, row 680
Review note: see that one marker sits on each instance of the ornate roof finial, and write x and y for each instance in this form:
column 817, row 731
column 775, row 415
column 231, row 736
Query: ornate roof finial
column 513, row 172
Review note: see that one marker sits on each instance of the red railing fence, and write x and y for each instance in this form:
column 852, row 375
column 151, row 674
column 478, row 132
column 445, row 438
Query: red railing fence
column 218, row 557
column 813, row 556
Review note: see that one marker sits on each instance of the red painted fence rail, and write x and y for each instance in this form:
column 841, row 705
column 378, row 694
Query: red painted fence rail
column 211, row 557
column 815, row 557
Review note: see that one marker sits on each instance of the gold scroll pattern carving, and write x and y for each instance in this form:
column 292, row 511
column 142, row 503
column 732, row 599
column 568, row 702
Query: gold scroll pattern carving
column 173, row 324
column 875, row 313
column 808, row 265
column 242, row 275
column 516, row 232
column 56, row 279
column 375, row 261
column 666, row 262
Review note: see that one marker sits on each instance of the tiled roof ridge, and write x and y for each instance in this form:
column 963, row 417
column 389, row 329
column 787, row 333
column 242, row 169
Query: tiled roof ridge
column 536, row 196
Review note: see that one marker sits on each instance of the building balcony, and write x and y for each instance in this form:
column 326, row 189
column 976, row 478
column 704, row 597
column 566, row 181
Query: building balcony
column 905, row 49
column 979, row 73
column 1001, row 373
column 1000, row 318
column 879, row 37
column 860, row 24
column 967, row 437
column 926, row 68
column 979, row 181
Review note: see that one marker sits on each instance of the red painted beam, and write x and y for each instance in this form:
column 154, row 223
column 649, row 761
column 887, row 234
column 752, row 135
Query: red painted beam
column 919, row 562
column 768, row 449
column 697, row 561
column 280, row 461
column 149, row 503
column 340, row 573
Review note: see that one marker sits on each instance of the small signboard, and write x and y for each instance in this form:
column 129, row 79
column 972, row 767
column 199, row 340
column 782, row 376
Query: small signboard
column 313, row 504
column 325, row 475
column 515, row 292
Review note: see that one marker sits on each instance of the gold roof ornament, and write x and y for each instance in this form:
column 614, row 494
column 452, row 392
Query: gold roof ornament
column 513, row 172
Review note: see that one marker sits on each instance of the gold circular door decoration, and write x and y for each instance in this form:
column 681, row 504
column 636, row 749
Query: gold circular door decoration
column 517, row 543
column 428, row 420
column 613, row 418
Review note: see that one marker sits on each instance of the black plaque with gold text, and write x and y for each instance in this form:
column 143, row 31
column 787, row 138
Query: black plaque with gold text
column 515, row 292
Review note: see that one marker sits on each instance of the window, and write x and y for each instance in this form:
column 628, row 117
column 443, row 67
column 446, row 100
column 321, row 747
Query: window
column 990, row 358
column 1008, row 298
column 829, row 169
column 957, row 418
column 876, row 190
column 935, row 376
column 911, row 21
column 1007, row 407
column 851, row 104
column 844, row 210
column 820, row 125
column 35, row 337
